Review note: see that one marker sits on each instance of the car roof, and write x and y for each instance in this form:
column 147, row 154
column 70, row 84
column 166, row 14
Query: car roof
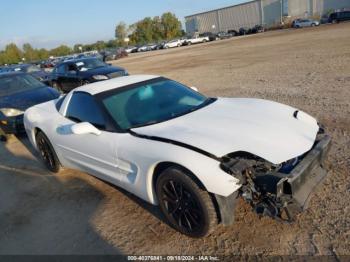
column 75, row 60
column 10, row 73
column 102, row 86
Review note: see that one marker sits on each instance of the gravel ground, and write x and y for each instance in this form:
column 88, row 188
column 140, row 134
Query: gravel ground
column 73, row 213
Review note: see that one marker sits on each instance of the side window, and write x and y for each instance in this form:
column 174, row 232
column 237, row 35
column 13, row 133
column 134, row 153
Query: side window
column 83, row 108
column 72, row 68
column 61, row 69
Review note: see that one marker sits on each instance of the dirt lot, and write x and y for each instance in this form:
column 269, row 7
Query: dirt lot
column 73, row 213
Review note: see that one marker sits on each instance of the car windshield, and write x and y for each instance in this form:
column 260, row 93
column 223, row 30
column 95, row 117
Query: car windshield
column 88, row 64
column 13, row 84
column 152, row 102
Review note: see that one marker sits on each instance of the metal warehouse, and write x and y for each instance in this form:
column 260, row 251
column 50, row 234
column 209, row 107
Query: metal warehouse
column 259, row 12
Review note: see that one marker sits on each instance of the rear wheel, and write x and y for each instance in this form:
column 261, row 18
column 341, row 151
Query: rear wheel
column 334, row 21
column 47, row 153
column 187, row 207
column 313, row 25
column 3, row 136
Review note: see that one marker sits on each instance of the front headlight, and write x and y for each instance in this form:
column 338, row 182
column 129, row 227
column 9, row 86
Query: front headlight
column 9, row 112
column 100, row 77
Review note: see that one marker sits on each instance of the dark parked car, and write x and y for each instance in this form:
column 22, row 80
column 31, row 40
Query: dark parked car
column 257, row 29
column 33, row 70
column 212, row 36
column 339, row 17
column 224, row 35
column 244, row 31
column 73, row 73
column 19, row 91
column 233, row 32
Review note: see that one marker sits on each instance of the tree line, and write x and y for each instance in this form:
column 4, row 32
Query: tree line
column 148, row 30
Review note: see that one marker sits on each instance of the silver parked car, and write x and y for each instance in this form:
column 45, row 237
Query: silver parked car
column 305, row 23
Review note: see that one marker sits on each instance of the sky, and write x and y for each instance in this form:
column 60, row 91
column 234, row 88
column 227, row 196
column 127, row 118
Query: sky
column 49, row 23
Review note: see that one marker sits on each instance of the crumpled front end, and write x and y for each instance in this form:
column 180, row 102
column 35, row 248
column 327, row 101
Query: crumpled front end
column 280, row 191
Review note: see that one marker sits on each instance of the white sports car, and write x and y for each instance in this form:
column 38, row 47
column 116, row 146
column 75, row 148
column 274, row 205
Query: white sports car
column 191, row 155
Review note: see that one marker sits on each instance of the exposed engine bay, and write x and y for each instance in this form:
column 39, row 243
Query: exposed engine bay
column 279, row 191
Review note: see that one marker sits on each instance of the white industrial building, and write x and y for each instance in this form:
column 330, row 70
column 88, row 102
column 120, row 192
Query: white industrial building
column 259, row 12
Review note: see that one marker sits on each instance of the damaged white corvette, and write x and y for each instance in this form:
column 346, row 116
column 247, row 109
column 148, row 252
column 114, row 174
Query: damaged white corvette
column 191, row 155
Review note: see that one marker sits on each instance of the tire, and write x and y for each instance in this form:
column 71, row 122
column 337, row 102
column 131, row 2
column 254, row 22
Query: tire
column 204, row 40
column 47, row 153
column 313, row 25
column 188, row 208
column 189, row 43
column 334, row 21
column 4, row 138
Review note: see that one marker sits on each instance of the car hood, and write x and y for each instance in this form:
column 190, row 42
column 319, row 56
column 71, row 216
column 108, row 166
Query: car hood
column 272, row 131
column 101, row 71
column 24, row 100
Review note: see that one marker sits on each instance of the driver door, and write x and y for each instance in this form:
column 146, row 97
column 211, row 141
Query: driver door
column 72, row 77
column 94, row 154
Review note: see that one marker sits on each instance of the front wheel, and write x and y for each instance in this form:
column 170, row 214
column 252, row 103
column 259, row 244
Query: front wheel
column 47, row 153
column 187, row 207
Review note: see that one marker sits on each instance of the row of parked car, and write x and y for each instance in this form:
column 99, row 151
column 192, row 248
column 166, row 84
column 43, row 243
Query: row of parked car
column 201, row 38
column 25, row 85
column 209, row 36
column 333, row 18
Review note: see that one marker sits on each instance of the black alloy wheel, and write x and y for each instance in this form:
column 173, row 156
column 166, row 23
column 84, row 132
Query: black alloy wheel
column 47, row 153
column 188, row 208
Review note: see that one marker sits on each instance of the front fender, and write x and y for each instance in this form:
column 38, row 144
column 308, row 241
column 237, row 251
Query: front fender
column 147, row 154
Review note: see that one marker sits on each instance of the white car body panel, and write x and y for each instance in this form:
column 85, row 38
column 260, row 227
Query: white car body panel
column 174, row 43
column 266, row 129
column 197, row 40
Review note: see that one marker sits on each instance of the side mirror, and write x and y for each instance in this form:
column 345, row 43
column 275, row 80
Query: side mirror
column 194, row 88
column 85, row 128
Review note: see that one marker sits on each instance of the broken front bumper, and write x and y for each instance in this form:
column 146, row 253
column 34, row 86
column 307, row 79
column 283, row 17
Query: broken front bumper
column 305, row 177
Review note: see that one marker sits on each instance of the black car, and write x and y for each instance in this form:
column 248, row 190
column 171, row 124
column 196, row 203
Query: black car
column 210, row 35
column 224, row 35
column 19, row 91
column 339, row 17
column 233, row 32
column 257, row 29
column 33, row 70
column 73, row 73
column 244, row 31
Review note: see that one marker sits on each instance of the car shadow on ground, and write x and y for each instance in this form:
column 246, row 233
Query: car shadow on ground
column 41, row 213
column 154, row 210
